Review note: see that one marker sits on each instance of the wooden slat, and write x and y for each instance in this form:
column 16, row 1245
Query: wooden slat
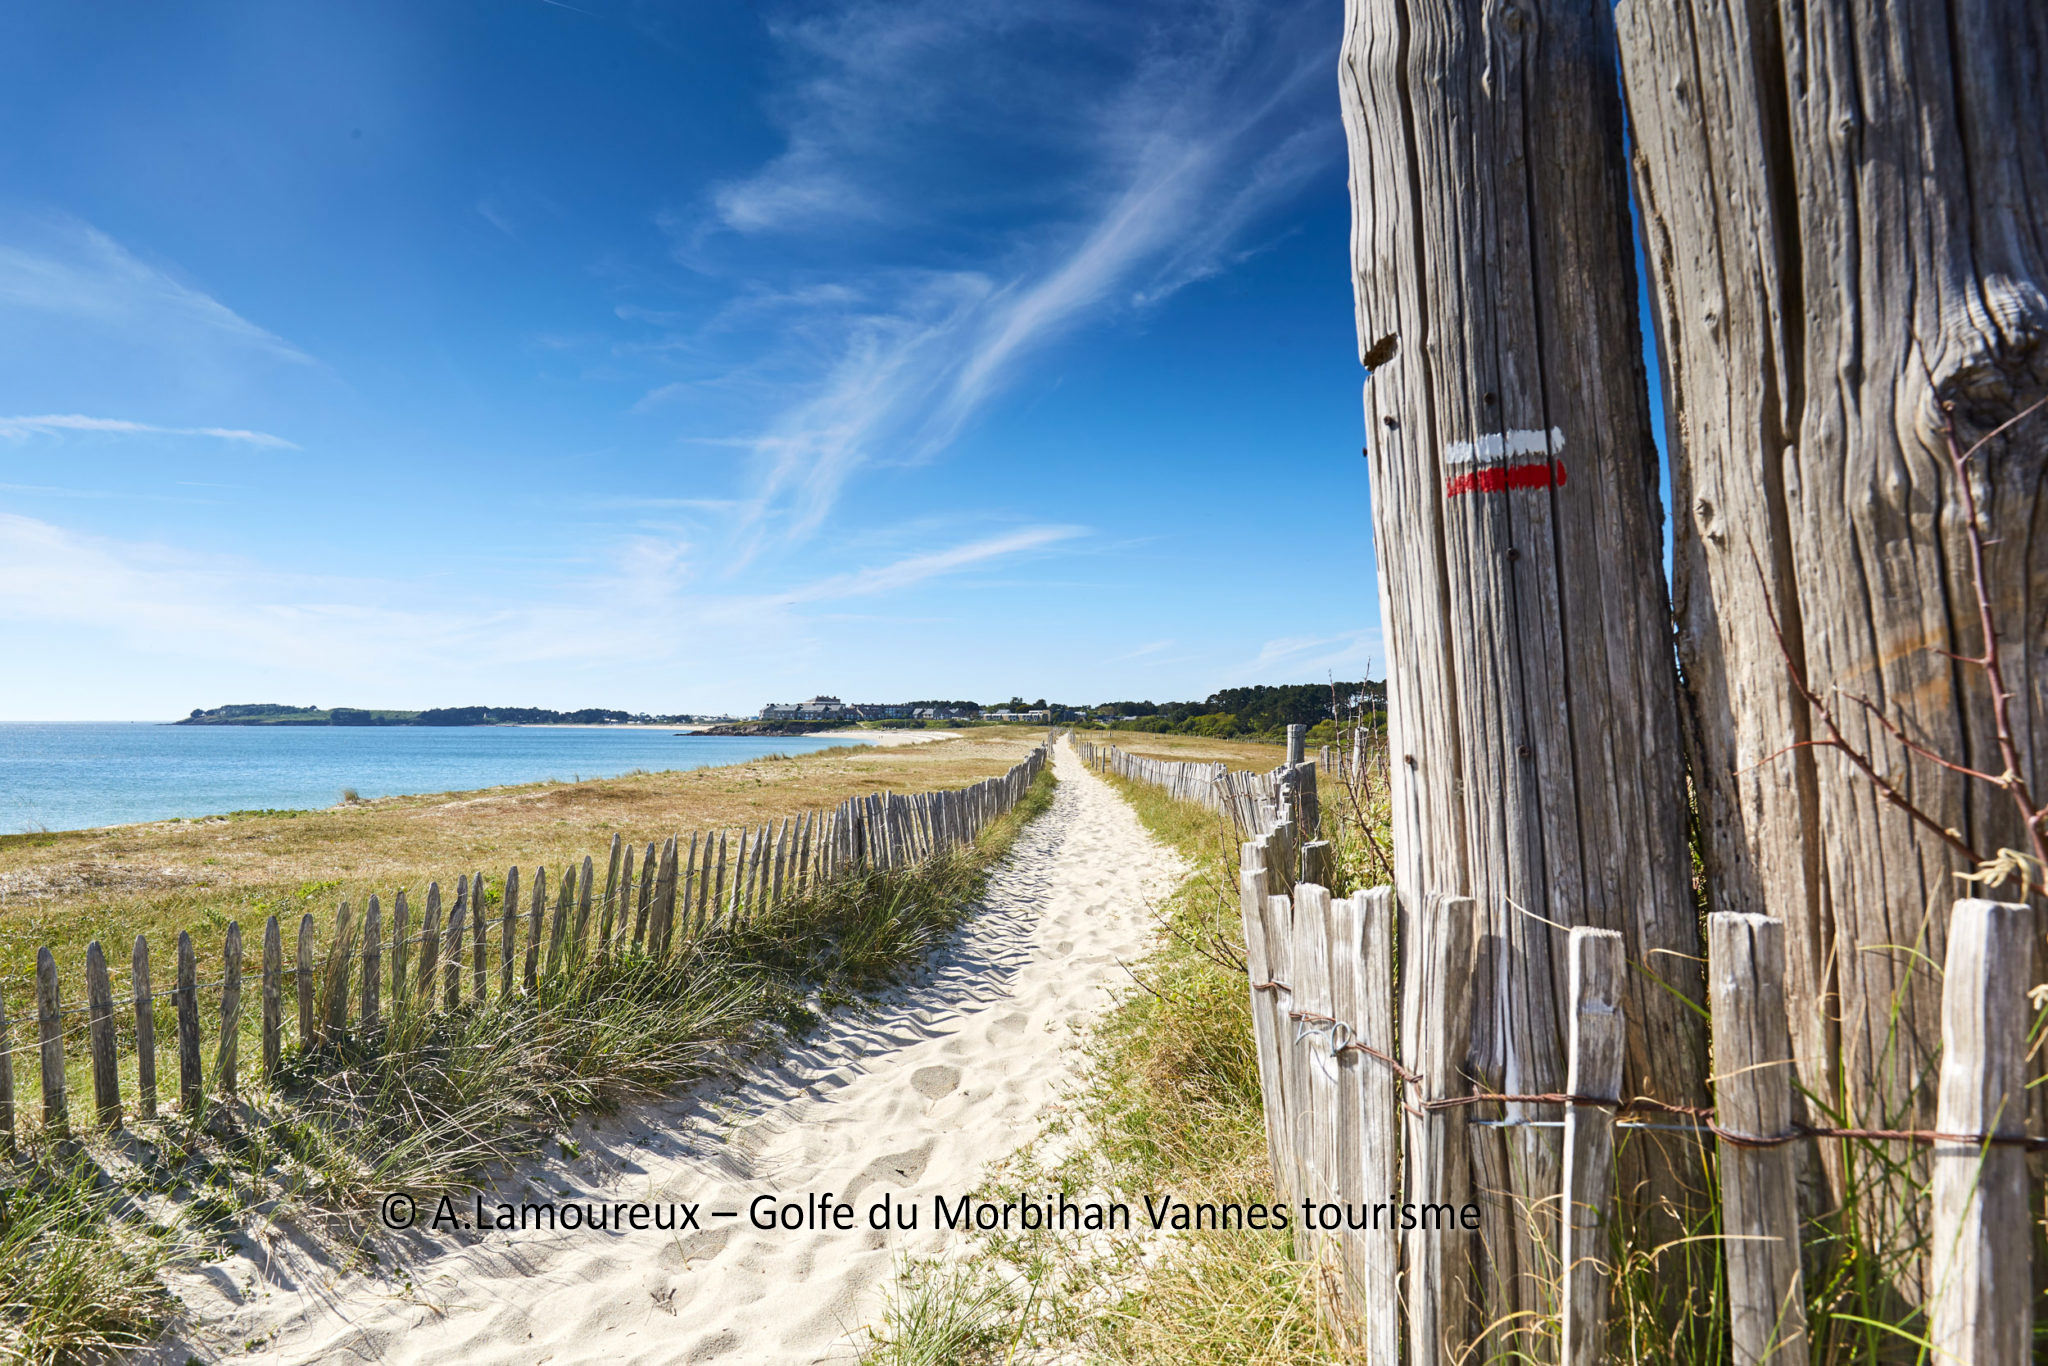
column 99, row 1006
column 1980, row 1278
column 273, row 998
column 1753, row 1096
column 508, row 933
column 373, row 963
column 401, row 950
column 611, row 900
column 659, row 928
column 1597, row 980
column 191, row 1088
column 690, row 918
column 1436, row 1018
column 719, row 910
column 1316, row 1113
column 309, row 1021
column 228, row 1050
column 145, row 1029
column 451, row 972
column 334, row 982
column 7, row 1144
column 537, row 909
column 1379, row 1090
column 430, row 948
column 479, row 937
column 622, row 929
column 50, row 1027
column 581, row 939
column 558, row 925
column 643, row 904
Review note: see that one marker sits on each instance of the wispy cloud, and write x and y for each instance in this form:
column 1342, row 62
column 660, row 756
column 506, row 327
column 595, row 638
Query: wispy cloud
column 916, row 569
column 58, row 265
column 1064, row 162
column 19, row 428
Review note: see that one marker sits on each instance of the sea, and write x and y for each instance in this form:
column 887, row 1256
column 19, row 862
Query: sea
column 77, row 775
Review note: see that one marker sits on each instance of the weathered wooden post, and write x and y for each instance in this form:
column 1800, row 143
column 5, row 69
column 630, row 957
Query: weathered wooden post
column 1980, row 1280
column 534, row 913
column 273, row 998
column 229, row 1046
column 508, row 934
column 1598, row 978
column 1843, row 238
column 106, row 1074
column 7, row 1146
column 145, row 1029
column 1753, row 1099
column 1436, row 1024
column 191, row 1090
column 50, row 1028
column 373, row 963
column 1533, row 719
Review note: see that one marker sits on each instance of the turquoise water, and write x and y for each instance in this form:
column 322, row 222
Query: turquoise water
column 75, row 775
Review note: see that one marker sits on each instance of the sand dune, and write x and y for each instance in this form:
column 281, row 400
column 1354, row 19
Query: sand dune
column 913, row 1097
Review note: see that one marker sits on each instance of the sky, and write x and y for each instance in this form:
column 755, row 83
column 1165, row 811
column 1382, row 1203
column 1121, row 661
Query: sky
column 674, row 357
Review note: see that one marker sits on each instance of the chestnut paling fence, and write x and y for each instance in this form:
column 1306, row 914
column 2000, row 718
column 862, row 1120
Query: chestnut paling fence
column 686, row 889
column 1361, row 1016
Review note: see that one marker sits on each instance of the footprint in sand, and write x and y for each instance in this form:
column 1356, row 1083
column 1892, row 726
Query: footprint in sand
column 1012, row 1023
column 933, row 1082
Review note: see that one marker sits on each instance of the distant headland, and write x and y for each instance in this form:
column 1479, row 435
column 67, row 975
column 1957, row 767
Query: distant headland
column 276, row 714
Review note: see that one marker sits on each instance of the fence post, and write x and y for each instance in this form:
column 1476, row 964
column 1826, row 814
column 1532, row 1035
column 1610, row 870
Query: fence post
column 1982, row 1281
column 145, row 1031
column 1593, row 1071
column 230, row 1047
column 99, row 999
column 273, row 998
column 451, row 972
column 1436, row 1028
column 1373, row 1017
column 401, row 950
column 611, row 905
column 510, row 933
column 558, row 927
column 1318, row 1103
column 643, row 904
column 334, row 991
column 479, row 937
column 1753, row 1098
column 1268, row 1020
column 6, row 1083
column 583, row 889
column 536, row 910
column 430, row 947
column 50, row 1026
column 373, row 963
column 191, row 1091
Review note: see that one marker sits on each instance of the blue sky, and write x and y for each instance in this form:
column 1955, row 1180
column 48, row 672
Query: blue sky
column 673, row 357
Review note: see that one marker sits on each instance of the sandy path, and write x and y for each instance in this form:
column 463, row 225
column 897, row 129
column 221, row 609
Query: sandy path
column 914, row 1096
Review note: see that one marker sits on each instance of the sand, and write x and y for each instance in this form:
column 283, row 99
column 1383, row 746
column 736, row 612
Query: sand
column 890, row 739
column 913, row 1097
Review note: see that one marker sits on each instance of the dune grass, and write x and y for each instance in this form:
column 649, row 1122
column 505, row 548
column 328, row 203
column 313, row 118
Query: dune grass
column 432, row 1102
column 1168, row 1103
column 67, row 888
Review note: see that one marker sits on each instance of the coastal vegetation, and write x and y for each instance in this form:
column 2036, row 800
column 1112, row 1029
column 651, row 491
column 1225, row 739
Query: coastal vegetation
column 1260, row 713
column 431, row 1102
column 279, row 714
column 1168, row 1103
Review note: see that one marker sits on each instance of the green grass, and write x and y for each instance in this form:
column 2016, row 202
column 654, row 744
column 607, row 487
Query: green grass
column 430, row 1102
column 1168, row 1103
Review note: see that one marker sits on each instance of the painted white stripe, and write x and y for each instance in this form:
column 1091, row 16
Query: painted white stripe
column 1505, row 446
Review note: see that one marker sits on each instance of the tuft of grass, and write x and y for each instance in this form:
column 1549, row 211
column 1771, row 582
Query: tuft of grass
column 947, row 1315
column 79, row 1272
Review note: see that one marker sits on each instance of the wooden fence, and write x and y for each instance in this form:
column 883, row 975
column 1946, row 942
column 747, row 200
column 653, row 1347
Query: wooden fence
column 684, row 891
column 1361, row 1017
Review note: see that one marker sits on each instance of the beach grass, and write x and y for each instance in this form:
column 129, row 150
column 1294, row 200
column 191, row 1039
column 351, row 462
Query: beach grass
column 431, row 1102
column 1168, row 1103
column 65, row 889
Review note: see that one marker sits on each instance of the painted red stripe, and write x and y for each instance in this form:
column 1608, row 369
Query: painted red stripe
column 1532, row 474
